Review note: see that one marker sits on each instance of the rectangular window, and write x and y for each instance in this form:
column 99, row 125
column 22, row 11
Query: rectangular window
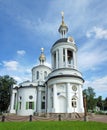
column 29, row 105
column 43, row 105
column 20, row 105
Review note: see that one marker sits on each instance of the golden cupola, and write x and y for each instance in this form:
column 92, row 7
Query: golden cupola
column 42, row 57
column 63, row 29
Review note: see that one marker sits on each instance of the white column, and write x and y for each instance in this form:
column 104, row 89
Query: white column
column 68, row 98
column 12, row 110
column 39, row 101
column 66, row 59
column 48, row 100
column 81, row 106
column 46, row 97
column 54, row 97
column 74, row 60
column 57, row 59
column 60, row 57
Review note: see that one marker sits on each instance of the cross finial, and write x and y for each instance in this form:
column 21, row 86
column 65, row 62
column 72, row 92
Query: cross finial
column 42, row 50
column 62, row 13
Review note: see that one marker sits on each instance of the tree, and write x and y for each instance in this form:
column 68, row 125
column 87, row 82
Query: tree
column 6, row 83
column 105, row 104
column 100, row 102
column 90, row 94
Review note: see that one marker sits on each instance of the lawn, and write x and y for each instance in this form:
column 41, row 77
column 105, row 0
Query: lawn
column 55, row 125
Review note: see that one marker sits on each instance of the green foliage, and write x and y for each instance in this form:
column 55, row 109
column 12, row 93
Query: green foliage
column 100, row 113
column 100, row 102
column 92, row 102
column 6, row 83
column 105, row 103
column 55, row 125
column 90, row 94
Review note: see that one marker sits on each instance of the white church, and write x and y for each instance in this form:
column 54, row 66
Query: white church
column 52, row 90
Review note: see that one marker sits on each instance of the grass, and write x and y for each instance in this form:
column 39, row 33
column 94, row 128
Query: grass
column 55, row 125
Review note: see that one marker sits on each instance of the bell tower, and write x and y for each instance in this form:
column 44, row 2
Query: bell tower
column 64, row 50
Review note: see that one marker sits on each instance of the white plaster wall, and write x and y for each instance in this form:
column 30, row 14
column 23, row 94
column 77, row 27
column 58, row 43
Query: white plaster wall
column 65, row 71
column 41, row 69
column 25, row 93
column 64, row 95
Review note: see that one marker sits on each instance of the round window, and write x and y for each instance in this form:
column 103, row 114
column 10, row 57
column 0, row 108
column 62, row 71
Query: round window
column 44, row 97
column 30, row 97
column 74, row 88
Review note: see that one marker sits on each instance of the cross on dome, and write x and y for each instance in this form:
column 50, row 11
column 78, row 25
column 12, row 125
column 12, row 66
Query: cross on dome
column 63, row 29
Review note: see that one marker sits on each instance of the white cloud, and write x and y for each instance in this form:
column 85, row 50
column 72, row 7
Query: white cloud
column 11, row 65
column 21, row 52
column 18, row 79
column 97, row 32
column 90, row 55
column 21, row 78
column 99, row 84
column 48, row 64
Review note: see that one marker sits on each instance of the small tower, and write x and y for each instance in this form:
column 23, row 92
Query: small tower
column 41, row 71
column 63, row 29
column 64, row 50
column 42, row 57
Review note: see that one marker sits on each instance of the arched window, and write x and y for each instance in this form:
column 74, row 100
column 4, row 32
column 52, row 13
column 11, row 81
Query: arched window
column 37, row 75
column 45, row 74
column 69, row 56
column 64, row 55
column 55, row 60
column 74, row 102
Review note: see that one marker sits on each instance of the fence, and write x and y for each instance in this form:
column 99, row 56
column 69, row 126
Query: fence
column 30, row 118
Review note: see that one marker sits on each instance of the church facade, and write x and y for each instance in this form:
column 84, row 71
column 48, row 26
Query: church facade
column 52, row 90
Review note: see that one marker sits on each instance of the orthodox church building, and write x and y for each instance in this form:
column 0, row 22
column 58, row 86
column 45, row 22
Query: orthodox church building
column 52, row 90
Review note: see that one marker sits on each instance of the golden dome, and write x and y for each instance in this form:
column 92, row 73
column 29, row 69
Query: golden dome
column 42, row 57
column 63, row 29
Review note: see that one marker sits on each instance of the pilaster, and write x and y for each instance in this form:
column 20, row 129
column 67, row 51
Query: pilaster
column 66, row 59
column 81, row 106
column 60, row 57
column 54, row 97
column 39, row 101
column 68, row 98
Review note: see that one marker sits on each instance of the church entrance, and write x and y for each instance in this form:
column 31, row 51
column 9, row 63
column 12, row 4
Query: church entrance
column 62, row 104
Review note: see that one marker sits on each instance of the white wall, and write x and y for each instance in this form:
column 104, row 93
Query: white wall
column 63, row 94
column 24, row 93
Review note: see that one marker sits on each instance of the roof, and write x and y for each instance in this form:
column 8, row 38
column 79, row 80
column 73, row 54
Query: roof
column 41, row 66
column 60, row 40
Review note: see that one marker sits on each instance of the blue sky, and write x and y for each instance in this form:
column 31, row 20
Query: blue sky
column 26, row 26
